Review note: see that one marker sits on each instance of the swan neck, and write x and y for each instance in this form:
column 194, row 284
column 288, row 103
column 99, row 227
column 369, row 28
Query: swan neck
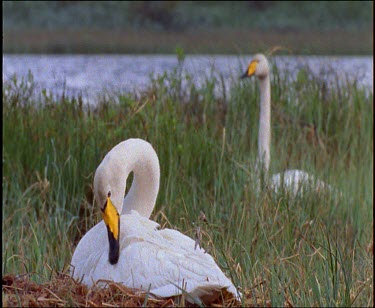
column 144, row 189
column 264, row 134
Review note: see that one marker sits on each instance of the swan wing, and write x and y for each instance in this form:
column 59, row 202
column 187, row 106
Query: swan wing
column 162, row 261
column 166, row 262
column 91, row 255
column 198, row 269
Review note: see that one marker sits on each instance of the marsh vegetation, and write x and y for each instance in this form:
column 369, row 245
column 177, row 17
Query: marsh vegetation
column 314, row 250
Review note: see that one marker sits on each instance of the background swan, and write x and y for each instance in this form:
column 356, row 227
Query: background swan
column 293, row 181
column 162, row 261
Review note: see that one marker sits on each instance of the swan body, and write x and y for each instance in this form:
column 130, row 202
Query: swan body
column 293, row 181
column 164, row 262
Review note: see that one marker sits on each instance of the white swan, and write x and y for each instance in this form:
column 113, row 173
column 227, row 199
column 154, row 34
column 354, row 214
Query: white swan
column 137, row 254
column 294, row 181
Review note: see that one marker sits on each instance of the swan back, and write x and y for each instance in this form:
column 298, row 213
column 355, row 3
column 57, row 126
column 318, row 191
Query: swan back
column 130, row 155
column 298, row 181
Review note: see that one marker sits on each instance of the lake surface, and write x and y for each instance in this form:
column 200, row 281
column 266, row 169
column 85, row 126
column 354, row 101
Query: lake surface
column 93, row 75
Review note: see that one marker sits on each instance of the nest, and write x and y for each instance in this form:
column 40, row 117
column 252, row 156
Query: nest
column 62, row 291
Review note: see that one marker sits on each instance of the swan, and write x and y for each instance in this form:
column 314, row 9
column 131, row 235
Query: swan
column 293, row 181
column 129, row 248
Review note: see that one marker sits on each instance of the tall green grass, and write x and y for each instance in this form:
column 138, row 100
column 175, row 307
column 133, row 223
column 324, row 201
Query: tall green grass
column 311, row 250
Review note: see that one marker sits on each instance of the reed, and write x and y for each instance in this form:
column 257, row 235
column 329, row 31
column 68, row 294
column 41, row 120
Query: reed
column 314, row 250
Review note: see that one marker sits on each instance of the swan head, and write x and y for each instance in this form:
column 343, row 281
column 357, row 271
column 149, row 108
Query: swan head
column 107, row 190
column 110, row 178
column 108, row 196
column 258, row 67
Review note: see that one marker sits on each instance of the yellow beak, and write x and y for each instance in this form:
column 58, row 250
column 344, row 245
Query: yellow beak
column 250, row 69
column 112, row 221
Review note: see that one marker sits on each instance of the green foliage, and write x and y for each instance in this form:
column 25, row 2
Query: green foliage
column 310, row 250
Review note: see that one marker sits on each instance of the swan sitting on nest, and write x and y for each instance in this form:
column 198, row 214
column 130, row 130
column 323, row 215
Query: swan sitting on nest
column 293, row 181
column 129, row 248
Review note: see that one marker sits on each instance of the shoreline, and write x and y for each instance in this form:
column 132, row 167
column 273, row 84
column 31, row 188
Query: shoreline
column 218, row 41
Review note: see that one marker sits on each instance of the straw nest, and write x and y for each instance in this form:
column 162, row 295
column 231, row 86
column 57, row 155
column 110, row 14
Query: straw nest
column 62, row 290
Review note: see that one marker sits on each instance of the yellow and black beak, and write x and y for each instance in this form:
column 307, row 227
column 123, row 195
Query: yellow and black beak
column 112, row 221
column 250, row 69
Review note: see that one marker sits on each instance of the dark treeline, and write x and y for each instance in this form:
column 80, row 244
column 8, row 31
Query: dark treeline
column 187, row 15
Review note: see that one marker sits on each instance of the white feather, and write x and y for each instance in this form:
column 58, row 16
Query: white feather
column 293, row 181
column 162, row 261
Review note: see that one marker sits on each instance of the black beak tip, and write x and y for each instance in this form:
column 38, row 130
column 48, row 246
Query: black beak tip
column 114, row 256
column 114, row 247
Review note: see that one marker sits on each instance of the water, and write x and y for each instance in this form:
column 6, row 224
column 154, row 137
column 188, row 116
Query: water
column 93, row 75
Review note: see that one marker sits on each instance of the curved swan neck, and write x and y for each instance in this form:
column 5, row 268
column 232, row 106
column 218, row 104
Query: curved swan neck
column 264, row 134
column 144, row 190
column 132, row 155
